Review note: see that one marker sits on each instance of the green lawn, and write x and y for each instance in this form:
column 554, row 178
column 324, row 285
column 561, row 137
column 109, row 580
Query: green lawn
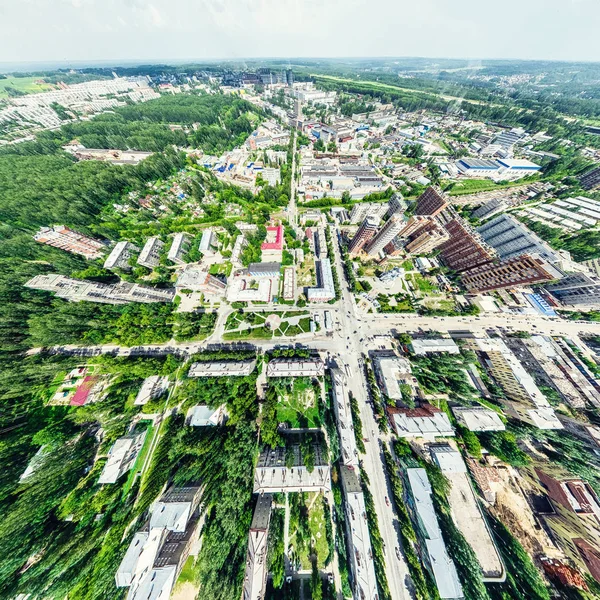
column 297, row 402
column 423, row 284
column 23, row 84
column 316, row 524
column 472, row 186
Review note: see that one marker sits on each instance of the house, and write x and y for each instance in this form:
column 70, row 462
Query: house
column 122, row 457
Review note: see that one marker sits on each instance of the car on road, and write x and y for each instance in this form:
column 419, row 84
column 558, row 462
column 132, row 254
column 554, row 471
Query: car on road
column 398, row 553
column 387, row 500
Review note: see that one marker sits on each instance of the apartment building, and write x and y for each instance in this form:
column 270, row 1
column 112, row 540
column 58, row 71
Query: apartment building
column 122, row 457
column 511, row 238
column 396, row 205
column 362, row 210
column 325, row 289
column 68, row 240
column 430, row 203
column 76, row 290
column 364, row 234
column 426, row 242
column 464, row 249
column 120, row 255
column 388, row 232
column 150, row 254
column 576, row 289
column 517, row 271
column 525, row 400
column 179, row 247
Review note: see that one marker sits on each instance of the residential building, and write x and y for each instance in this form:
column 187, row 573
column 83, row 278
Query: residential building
column 421, row 347
column 320, row 242
column 362, row 210
column 159, row 550
column 396, row 205
column 524, row 401
column 432, row 549
column 478, row 418
column 489, row 209
column 122, row 457
column 150, row 254
column 120, row 255
column 395, row 247
column 576, row 289
column 426, row 242
column 205, row 416
column 229, row 368
column 255, row 578
column 208, row 242
column 66, row 239
column 271, row 175
column 361, row 562
column 152, row 387
column 392, row 371
column 179, row 248
column 430, row 203
column 264, row 269
column 76, row 290
column 520, row 270
column 295, row 367
column 591, row 179
column 343, row 415
column 325, row 289
column 426, row 421
column 387, row 233
column 364, row 234
column 465, row 249
column 198, row 279
column 466, row 512
column 282, row 469
column 289, row 282
column 511, row 238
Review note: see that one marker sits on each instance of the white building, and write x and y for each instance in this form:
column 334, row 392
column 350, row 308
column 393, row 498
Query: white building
column 150, row 254
column 478, row 418
column 426, row 346
column 231, row 368
column 426, row 422
column 208, row 242
column 325, row 290
column 153, row 387
column 204, row 416
column 76, row 290
column 178, row 248
column 392, row 371
column 122, row 457
column 120, row 255
column 433, row 549
column 295, row 367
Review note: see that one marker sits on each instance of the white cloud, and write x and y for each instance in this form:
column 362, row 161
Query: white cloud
column 33, row 30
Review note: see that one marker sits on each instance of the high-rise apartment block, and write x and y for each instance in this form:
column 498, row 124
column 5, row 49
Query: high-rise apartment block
column 465, row 249
column 396, row 205
column 428, row 240
column 590, row 180
column 150, row 254
column 577, row 289
column 364, row 234
column 388, row 232
column 362, row 210
column 430, row 203
column 66, row 239
column 511, row 238
column 512, row 272
column 77, row 290
column 120, row 255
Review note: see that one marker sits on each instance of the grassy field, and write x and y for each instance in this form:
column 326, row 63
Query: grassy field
column 298, row 404
column 26, row 85
column 473, row 186
column 316, row 525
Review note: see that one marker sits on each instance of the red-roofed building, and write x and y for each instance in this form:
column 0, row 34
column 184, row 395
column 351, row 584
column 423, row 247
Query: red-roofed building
column 272, row 247
column 83, row 391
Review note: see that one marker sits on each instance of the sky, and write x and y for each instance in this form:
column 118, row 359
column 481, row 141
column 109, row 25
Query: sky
column 171, row 30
